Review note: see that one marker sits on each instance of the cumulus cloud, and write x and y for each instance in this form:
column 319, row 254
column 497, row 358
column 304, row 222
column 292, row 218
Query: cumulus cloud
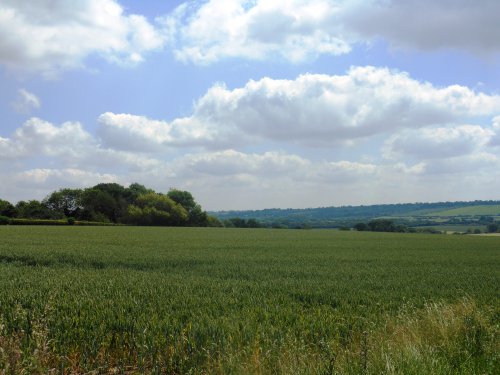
column 314, row 110
column 139, row 133
column 26, row 102
column 299, row 30
column 495, row 140
column 295, row 30
column 50, row 35
column 37, row 136
column 438, row 143
column 70, row 144
column 55, row 178
column 235, row 179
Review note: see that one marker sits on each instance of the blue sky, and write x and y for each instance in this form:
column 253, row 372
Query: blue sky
column 253, row 104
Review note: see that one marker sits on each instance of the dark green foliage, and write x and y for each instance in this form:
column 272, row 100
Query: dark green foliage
column 4, row 220
column 196, row 216
column 67, row 202
column 493, row 227
column 213, row 222
column 34, row 209
column 7, row 209
column 237, row 222
column 135, row 190
column 381, row 225
column 113, row 203
column 361, row 227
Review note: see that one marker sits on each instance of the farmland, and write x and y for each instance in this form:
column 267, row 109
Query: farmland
column 216, row 300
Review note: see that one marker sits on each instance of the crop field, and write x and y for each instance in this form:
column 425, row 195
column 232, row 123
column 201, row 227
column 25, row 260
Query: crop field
column 246, row 301
column 469, row 211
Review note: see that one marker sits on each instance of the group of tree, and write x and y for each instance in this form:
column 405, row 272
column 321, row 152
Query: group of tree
column 237, row 222
column 114, row 203
column 381, row 225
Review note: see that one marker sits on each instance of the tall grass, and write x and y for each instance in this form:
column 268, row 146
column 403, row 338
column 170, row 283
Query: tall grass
column 218, row 301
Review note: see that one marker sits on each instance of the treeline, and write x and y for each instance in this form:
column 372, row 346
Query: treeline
column 386, row 225
column 327, row 217
column 382, row 225
column 112, row 203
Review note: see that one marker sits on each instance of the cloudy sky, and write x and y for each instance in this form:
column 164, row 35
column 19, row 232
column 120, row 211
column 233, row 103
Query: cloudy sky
column 253, row 103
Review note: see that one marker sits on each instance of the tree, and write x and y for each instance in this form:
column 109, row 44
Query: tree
column 7, row 209
column 381, row 225
column 196, row 216
column 99, row 205
column 360, row 227
column 34, row 209
column 493, row 228
column 253, row 223
column 156, row 209
column 134, row 191
column 65, row 201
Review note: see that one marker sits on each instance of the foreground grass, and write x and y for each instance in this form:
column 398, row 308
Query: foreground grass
column 196, row 300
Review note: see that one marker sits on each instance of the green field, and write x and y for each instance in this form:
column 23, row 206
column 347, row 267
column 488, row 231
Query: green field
column 487, row 210
column 246, row 301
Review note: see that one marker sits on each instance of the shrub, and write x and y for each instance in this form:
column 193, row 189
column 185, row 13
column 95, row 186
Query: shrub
column 71, row 220
column 37, row 222
column 493, row 227
column 4, row 220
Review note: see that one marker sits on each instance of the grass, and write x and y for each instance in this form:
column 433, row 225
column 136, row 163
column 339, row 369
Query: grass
column 201, row 300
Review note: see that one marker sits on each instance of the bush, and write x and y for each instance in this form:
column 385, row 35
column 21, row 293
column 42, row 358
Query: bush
column 360, row 227
column 37, row 222
column 71, row 220
column 493, row 228
column 4, row 220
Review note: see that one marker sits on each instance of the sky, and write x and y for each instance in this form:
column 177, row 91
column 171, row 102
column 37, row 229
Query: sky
column 252, row 104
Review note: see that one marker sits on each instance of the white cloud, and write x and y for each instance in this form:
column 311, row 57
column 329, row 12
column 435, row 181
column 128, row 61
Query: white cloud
column 438, row 143
column 495, row 140
column 313, row 110
column 55, row 178
column 69, row 145
column 429, row 24
column 231, row 179
column 26, row 102
column 298, row 30
column 37, row 136
column 295, row 30
column 52, row 35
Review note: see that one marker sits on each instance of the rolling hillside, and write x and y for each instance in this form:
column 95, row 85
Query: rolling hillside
column 335, row 216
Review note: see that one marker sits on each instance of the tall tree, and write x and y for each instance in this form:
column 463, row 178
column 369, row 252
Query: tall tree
column 196, row 216
column 65, row 201
column 7, row 209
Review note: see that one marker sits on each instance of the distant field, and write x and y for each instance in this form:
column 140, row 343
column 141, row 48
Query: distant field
column 455, row 228
column 465, row 211
column 247, row 301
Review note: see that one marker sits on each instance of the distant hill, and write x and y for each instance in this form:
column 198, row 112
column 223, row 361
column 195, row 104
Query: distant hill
column 336, row 216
